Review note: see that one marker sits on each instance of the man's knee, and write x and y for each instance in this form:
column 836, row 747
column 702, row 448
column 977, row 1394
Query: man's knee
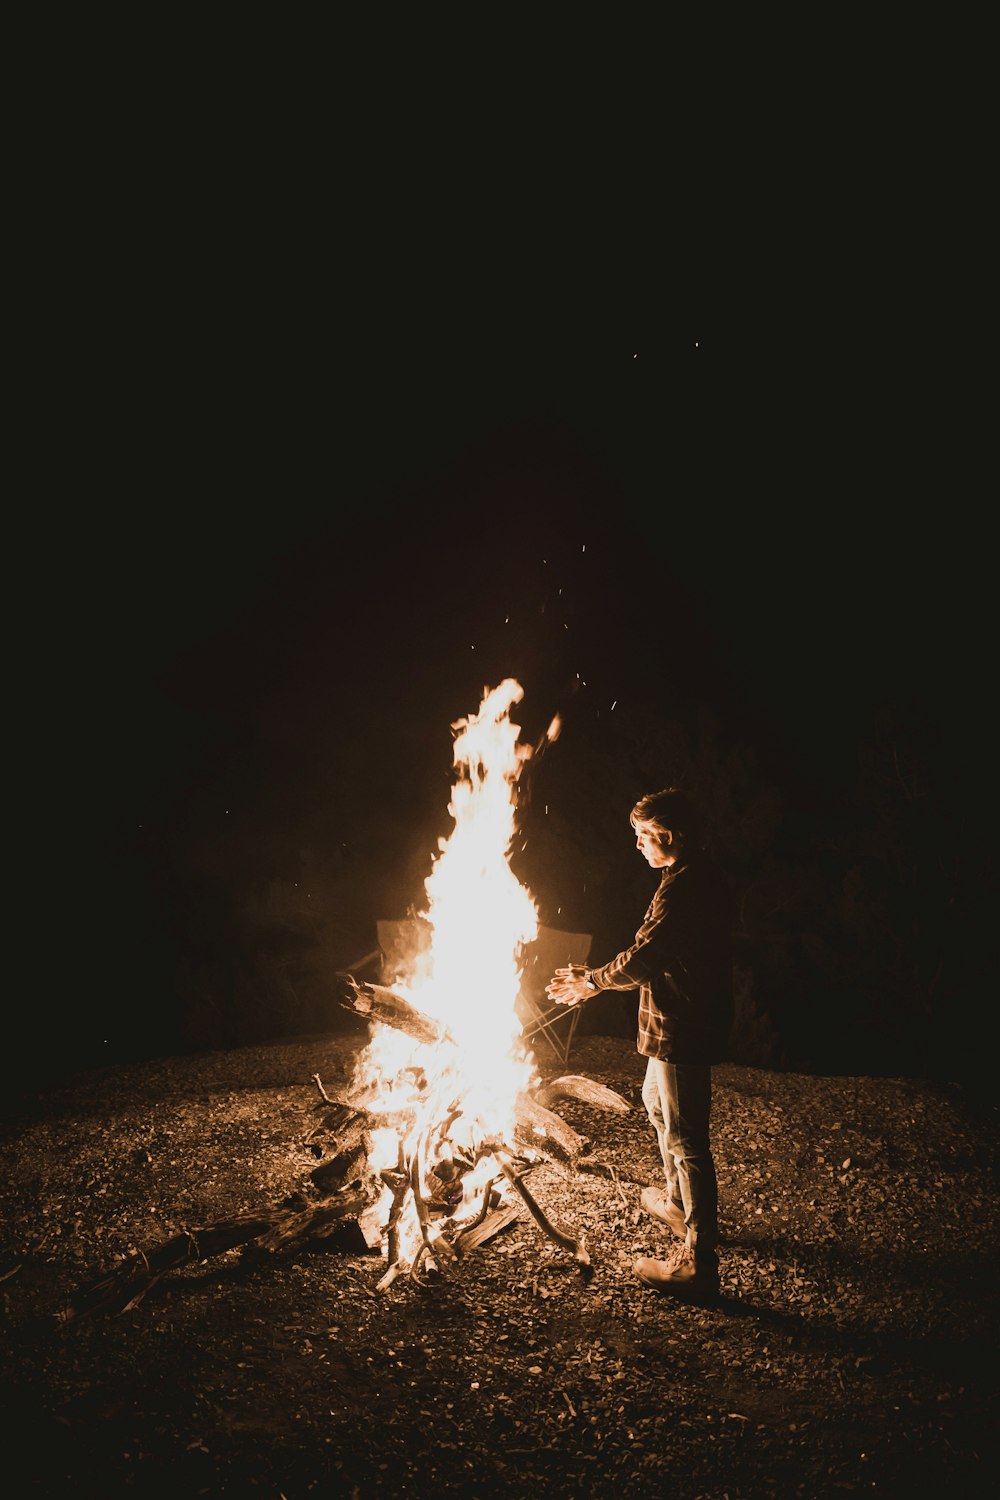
column 686, row 1146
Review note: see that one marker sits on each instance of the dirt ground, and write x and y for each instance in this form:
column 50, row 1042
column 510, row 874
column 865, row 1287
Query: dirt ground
column 853, row 1349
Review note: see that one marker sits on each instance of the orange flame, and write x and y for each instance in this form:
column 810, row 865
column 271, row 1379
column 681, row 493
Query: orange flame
column 480, row 918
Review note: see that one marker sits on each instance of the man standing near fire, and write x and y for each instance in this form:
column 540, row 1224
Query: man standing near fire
column 681, row 964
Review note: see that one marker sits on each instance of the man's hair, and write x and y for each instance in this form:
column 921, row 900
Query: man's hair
column 668, row 811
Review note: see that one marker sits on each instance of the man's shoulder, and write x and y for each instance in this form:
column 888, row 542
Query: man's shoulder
column 698, row 879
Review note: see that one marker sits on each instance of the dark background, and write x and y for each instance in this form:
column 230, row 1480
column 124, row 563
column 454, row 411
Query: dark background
column 279, row 539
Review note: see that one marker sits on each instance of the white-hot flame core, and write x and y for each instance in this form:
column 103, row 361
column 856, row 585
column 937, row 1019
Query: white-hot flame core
column 480, row 918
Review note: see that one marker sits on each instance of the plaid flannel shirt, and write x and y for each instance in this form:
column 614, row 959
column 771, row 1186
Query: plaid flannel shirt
column 681, row 964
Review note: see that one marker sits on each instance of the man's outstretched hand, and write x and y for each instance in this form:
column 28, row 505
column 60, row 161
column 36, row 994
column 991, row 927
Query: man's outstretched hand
column 569, row 986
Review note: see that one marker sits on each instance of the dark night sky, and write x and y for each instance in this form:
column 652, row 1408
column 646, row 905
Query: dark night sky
column 784, row 516
column 292, row 542
column 326, row 394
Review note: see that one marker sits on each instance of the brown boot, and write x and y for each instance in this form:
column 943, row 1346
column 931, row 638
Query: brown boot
column 682, row 1272
column 657, row 1202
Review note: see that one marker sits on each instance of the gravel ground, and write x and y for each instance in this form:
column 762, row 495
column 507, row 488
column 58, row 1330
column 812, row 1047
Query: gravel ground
column 852, row 1351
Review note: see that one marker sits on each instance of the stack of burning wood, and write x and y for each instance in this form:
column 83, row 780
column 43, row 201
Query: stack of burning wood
column 428, row 1173
column 342, row 1202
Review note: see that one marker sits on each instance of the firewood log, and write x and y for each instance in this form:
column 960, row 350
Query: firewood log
column 332, row 1175
column 575, row 1086
column 376, row 1003
column 547, row 1132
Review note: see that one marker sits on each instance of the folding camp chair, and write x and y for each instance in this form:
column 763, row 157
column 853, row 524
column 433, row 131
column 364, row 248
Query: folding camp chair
column 540, row 1016
column 398, row 942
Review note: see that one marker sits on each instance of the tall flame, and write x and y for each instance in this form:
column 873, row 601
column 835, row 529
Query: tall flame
column 479, row 919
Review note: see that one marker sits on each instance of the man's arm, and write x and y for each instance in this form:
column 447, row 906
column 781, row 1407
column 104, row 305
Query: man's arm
column 646, row 956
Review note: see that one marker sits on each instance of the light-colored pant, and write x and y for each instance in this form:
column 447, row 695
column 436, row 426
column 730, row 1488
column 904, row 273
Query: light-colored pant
column 678, row 1100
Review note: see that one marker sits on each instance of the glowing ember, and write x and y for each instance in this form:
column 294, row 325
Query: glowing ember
column 443, row 1103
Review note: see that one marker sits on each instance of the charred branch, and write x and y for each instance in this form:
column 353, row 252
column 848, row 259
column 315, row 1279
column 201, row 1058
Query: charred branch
column 319, row 1221
column 399, row 1185
column 437, row 1248
column 129, row 1282
column 317, row 1080
column 556, row 1232
column 341, row 1126
column 485, row 1227
column 332, row 1175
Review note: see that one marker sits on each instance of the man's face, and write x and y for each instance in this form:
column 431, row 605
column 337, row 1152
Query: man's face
column 654, row 846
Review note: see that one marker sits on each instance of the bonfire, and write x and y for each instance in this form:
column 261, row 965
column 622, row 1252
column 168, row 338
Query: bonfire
column 425, row 1156
column 448, row 1082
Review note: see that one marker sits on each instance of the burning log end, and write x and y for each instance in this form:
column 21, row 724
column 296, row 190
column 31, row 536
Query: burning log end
column 376, row 1003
